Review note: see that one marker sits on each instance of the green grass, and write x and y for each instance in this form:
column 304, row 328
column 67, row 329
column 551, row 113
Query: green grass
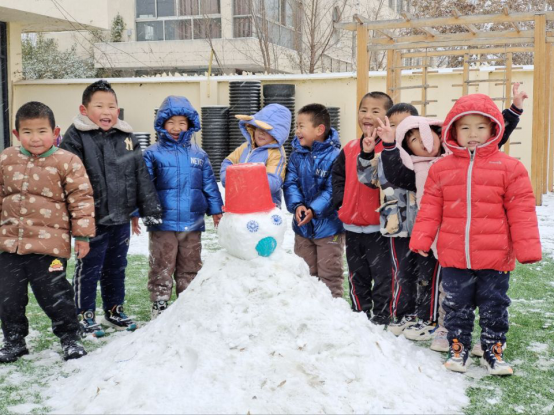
column 530, row 349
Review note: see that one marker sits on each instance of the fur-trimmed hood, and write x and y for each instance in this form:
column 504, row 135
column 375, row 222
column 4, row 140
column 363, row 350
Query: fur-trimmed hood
column 84, row 123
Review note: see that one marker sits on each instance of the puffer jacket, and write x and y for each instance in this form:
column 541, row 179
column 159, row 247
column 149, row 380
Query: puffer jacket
column 116, row 169
column 275, row 119
column 482, row 201
column 44, row 200
column 181, row 172
column 308, row 183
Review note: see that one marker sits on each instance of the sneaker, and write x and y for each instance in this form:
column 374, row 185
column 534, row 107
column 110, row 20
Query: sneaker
column 440, row 341
column 89, row 324
column 422, row 330
column 494, row 362
column 118, row 319
column 478, row 350
column 458, row 357
column 397, row 327
column 157, row 308
column 72, row 349
column 13, row 351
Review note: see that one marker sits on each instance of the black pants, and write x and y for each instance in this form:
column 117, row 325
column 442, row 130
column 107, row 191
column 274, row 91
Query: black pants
column 404, row 278
column 369, row 273
column 47, row 277
column 466, row 289
column 428, row 281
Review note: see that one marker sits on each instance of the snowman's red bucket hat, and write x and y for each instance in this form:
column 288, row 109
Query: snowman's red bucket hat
column 247, row 189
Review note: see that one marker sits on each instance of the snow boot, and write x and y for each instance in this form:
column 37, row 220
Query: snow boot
column 458, row 357
column 477, row 350
column 493, row 360
column 440, row 340
column 89, row 324
column 72, row 349
column 422, row 330
column 397, row 327
column 157, row 308
column 12, row 351
column 117, row 319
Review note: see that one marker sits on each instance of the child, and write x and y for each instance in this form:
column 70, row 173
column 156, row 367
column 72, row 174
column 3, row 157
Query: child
column 45, row 198
column 481, row 203
column 319, row 238
column 184, row 179
column 121, row 184
column 265, row 133
column 357, row 205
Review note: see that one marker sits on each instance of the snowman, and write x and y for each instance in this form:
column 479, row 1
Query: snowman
column 252, row 225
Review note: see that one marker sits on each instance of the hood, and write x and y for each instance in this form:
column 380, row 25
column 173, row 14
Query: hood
column 424, row 126
column 473, row 104
column 332, row 140
column 83, row 123
column 274, row 118
column 176, row 105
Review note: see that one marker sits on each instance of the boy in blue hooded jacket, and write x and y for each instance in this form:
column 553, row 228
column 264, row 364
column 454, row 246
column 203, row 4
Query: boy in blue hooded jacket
column 186, row 185
column 265, row 133
column 319, row 238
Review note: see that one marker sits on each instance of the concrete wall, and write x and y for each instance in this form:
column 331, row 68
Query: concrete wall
column 139, row 96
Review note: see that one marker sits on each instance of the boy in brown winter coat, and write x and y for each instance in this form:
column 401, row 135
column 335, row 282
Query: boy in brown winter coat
column 45, row 198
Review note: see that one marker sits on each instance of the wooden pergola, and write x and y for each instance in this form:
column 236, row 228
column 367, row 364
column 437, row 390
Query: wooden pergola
column 428, row 42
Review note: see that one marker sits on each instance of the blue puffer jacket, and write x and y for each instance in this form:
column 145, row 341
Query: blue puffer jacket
column 181, row 172
column 308, row 183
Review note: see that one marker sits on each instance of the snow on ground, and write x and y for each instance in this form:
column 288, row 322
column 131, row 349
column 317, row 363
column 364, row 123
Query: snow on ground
column 258, row 336
column 545, row 215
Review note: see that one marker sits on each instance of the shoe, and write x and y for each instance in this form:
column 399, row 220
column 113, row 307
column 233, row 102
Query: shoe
column 13, row 351
column 157, row 308
column 478, row 350
column 72, row 349
column 118, row 319
column 494, row 362
column 422, row 330
column 458, row 357
column 380, row 320
column 89, row 324
column 440, row 341
column 397, row 327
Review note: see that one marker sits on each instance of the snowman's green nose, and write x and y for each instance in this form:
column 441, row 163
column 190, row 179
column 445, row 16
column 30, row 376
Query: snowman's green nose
column 266, row 246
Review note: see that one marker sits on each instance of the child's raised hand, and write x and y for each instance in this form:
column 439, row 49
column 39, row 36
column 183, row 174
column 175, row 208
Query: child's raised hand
column 385, row 131
column 81, row 249
column 518, row 97
column 368, row 142
column 216, row 219
column 135, row 226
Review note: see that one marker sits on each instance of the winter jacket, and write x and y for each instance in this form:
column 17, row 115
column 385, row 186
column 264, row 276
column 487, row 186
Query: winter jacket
column 275, row 119
column 181, row 172
column 357, row 204
column 116, row 169
column 308, row 183
column 44, row 200
column 482, row 200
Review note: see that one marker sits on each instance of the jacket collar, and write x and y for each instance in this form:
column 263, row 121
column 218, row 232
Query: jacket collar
column 83, row 123
column 47, row 153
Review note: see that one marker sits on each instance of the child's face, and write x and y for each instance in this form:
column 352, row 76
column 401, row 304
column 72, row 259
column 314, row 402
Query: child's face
column 175, row 125
column 415, row 144
column 396, row 118
column 473, row 130
column 370, row 110
column 102, row 109
column 262, row 137
column 36, row 135
column 306, row 132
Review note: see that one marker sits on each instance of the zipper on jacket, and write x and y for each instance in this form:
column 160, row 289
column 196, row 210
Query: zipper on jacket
column 468, row 201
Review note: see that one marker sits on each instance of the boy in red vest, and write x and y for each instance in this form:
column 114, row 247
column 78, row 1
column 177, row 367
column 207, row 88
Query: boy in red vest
column 367, row 250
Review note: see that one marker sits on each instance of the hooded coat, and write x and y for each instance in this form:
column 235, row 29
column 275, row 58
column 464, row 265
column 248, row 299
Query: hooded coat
column 181, row 172
column 481, row 200
column 308, row 183
column 276, row 120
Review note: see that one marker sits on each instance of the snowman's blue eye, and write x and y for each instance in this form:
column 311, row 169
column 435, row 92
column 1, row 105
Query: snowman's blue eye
column 277, row 220
column 252, row 226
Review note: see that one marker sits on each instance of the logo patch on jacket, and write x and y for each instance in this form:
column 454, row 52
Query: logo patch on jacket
column 56, row 266
column 195, row 161
column 128, row 144
column 322, row 173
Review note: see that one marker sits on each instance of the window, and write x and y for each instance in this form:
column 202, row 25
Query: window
column 178, row 29
column 150, row 31
column 4, row 112
column 241, row 7
column 242, row 27
column 146, row 8
column 207, row 28
column 166, row 8
column 197, row 7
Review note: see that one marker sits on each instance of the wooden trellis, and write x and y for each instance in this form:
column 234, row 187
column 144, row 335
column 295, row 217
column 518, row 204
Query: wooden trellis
column 477, row 42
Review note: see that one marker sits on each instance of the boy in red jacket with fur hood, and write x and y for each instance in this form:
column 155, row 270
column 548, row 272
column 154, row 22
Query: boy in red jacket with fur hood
column 481, row 203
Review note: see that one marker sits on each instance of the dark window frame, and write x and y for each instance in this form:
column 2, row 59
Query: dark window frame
column 4, row 84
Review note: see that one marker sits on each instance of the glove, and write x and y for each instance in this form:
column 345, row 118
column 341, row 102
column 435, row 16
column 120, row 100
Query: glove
column 152, row 220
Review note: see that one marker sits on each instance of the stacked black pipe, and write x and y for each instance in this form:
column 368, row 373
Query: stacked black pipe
column 155, row 115
column 284, row 94
column 143, row 139
column 334, row 112
column 244, row 99
column 215, row 135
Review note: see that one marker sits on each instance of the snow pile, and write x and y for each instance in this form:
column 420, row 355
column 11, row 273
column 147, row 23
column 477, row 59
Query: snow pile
column 545, row 215
column 258, row 336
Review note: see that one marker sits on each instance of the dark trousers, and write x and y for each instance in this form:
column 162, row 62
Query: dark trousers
column 369, row 273
column 466, row 289
column 106, row 262
column 428, row 281
column 47, row 276
column 404, row 278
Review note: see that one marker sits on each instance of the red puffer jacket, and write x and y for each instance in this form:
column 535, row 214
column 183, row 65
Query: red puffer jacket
column 482, row 202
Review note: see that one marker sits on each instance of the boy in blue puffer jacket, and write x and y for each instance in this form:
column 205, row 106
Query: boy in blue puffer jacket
column 319, row 238
column 265, row 133
column 186, row 186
